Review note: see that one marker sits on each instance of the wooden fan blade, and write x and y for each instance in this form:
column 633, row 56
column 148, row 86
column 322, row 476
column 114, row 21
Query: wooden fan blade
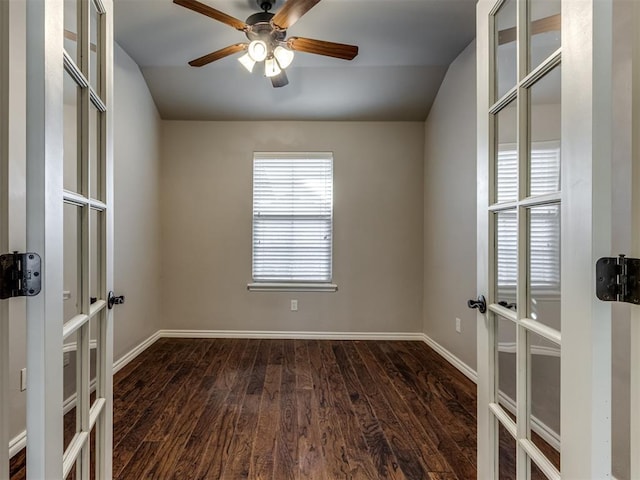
column 321, row 47
column 291, row 12
column 212, row 13
column 280, row 80
column 218, row 54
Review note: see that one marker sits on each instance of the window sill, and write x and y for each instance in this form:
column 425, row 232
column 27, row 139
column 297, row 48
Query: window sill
column 292, row 287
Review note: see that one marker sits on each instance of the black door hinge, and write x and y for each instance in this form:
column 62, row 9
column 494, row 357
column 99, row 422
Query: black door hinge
column 20, row 275
column 618, row 279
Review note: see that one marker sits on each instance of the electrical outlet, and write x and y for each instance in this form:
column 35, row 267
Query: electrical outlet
column 458, row 325
column 294, row 305
column 23, row 379
column 66, row 359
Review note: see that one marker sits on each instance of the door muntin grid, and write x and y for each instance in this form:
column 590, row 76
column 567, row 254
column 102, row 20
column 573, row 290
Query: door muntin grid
column 512, row 197
column 86, row 232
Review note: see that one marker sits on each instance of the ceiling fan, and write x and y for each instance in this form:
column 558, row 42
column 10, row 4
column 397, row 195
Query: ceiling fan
column 267, row 34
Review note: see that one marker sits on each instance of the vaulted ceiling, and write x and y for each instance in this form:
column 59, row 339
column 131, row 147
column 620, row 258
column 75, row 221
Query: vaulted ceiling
column 406, row 47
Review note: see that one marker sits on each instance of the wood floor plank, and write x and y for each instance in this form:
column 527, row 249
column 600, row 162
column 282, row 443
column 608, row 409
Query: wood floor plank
column 355, row 445
column 232, row 409
column 241, row 447
column 460, row 432
column 382, row 456
column 144, row 456
column 286, row 465
column 238, row 464
column 224, row 423
column 303, row 368
column 425, row 414
column 194, row 454
column 333, row 445
column 403, row 447
column 264, row 445
column 311, row 460
column 168, row 419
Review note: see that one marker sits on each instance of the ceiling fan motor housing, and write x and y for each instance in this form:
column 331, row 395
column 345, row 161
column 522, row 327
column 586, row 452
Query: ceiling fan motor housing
column 261, row 28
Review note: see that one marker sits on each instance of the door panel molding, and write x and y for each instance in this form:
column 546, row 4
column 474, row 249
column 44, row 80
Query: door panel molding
column 44, row 227
column 586, row 213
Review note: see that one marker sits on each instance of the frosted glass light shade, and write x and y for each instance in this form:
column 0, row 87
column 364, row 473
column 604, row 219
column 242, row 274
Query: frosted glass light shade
column 271, row 68
column 284, row 56
column 247, row 62
column 257, row 50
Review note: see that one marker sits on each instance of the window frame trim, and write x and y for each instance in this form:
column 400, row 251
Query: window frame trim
column 295, row 285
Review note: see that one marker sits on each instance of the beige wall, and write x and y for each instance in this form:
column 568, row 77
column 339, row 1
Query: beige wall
column 449, row 210
column 206, row 227
column 137, row 262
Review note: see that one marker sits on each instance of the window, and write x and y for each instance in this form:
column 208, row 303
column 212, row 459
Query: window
column 544, row 221
column 292, row 220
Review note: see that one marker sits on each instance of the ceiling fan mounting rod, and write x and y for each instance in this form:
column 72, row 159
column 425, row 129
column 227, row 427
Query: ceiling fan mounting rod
column 265, row 5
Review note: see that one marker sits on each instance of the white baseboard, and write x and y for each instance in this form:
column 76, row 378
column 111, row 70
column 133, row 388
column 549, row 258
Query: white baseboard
column 284, row 335
column 546, row 433
column 468, row 372
column 20, row 441
column 17, row 443
column 135, row 351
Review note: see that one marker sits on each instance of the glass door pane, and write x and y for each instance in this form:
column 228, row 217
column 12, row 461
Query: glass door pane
column 544, row 139
column 506, row 52
column 544, row 30
column 544, row 264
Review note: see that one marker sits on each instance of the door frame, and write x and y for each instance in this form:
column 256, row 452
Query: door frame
column 4, row 235
column 44, row 236
column 586, row 227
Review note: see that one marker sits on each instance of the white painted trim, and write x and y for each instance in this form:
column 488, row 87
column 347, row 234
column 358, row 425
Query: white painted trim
column 17, row 443
column 134, row 352
column 290, row 335
column 291, row 287
column 546, row 433
column 468, row 372
column 542, row 350
column 20, row 441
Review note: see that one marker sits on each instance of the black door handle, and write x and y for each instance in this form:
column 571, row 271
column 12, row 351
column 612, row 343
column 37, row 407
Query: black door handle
column 113, row 300
column 480, row 304
column 510, row 306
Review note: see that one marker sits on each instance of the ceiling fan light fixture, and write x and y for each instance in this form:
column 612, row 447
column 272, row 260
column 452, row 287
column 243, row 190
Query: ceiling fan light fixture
column 247, row 62
column 257, row 50
column 284, row 56
column 271, row 67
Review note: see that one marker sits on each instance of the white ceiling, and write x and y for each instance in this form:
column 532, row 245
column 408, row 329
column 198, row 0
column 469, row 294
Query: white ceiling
column 405, row 49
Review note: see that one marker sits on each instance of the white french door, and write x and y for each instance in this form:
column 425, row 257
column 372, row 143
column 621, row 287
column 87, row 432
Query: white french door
column 69, row 223
column 544, row 169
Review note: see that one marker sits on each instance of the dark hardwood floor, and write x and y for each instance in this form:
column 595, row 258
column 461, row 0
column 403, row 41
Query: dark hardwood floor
column 291, row 409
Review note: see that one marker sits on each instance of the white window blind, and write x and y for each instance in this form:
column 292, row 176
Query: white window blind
column 544, row 221
column 292, row 217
